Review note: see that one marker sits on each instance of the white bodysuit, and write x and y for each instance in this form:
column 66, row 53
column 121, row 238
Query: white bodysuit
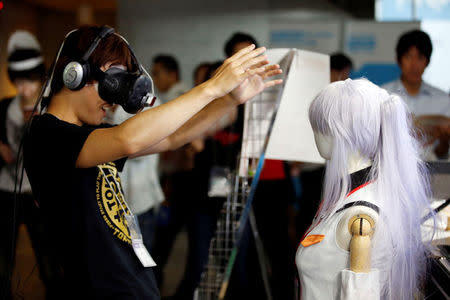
column 323, row 267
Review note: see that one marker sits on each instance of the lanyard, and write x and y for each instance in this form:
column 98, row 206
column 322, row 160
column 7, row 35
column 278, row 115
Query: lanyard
column 136, row 237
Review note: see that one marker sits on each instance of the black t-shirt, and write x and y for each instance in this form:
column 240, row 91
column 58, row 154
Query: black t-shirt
column 84, row 218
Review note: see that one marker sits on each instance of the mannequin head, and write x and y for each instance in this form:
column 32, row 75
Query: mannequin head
column 323, row 144
column 345, row 116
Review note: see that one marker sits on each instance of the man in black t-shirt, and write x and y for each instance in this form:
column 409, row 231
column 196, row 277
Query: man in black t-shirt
column 83, row 213
column 72, row 163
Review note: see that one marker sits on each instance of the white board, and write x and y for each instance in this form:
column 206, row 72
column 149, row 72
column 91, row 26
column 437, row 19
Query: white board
column 292, row 138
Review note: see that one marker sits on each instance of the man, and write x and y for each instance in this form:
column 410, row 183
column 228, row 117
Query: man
column 413, row 51
column 238, row 41
column 26, row 71
column 73, row 162
column 166, row 76
column 340, row 67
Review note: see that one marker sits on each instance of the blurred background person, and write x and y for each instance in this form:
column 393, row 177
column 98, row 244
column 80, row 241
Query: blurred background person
column 166, row 76
column 429, row 105
column 176, row 213
column 340, row 67
column 201, row 72
column 26, row 71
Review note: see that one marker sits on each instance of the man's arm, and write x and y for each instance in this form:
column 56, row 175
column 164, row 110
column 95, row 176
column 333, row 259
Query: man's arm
column 199, row 125
column 150, row 127
column 196, row 127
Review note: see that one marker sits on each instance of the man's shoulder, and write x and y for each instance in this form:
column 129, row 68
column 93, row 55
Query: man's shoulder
column 435, row 92
column 392, row 86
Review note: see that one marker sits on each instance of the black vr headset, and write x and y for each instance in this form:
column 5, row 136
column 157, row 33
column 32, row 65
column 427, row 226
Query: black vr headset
column 132, row 90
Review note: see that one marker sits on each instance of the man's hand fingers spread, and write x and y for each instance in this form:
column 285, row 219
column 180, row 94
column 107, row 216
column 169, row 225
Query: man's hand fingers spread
column 273, row 83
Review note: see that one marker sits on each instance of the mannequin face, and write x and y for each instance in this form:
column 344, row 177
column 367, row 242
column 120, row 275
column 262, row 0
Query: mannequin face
column 324, row 145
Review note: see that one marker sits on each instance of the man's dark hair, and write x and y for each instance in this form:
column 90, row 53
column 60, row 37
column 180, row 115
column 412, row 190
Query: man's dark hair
column 168, row 62
column 111, row 49
column 340, row 61
column 237, row 38
column 416, row 38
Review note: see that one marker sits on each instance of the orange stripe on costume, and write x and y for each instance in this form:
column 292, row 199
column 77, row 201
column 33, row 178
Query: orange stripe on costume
column 312, row 239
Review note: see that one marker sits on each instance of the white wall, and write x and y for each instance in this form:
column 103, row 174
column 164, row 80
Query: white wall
column 437, row 72
column 195, row 31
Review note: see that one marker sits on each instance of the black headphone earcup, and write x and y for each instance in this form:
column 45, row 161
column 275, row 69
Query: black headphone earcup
column 75, row 75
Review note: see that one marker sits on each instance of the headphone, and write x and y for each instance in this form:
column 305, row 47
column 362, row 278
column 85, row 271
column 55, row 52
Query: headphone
column 132, row 90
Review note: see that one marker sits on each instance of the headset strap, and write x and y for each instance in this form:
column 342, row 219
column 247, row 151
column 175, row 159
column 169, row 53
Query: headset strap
column 103, row 33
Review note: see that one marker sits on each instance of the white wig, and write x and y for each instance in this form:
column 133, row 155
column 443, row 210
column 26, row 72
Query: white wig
column 363, row 118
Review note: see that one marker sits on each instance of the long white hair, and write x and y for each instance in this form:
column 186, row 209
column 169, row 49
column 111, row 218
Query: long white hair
column 363, row 118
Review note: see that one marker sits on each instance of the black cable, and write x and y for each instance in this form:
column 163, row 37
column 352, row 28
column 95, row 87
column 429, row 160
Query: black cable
column 436, row 210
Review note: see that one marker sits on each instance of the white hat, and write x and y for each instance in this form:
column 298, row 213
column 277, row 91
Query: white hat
column 24, row 55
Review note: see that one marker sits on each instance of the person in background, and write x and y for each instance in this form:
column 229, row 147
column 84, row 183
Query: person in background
column 340, row 67
column 176, row 172
column 429, row 105
column 201, row 72
column 166, row 76
column 272, row 198
column 273, row 209
column 237, row 41
column 26, row 71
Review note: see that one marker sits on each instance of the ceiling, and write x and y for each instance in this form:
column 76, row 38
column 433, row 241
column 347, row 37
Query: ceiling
column 357, row 8
column 73, row 5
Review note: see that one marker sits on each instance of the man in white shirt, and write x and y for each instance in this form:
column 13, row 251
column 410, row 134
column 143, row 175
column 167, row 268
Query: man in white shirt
column 166, row 76
column 413, row 51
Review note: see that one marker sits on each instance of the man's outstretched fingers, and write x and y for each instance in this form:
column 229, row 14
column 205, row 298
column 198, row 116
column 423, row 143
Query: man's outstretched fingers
column 259, row 60
column 271, row 73
column 249, row 55
column 263, row 63
column 241, row 53
column 273, row 82
column 251, row 72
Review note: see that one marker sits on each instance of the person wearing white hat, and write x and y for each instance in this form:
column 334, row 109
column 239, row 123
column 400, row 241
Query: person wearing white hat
column 26, row 71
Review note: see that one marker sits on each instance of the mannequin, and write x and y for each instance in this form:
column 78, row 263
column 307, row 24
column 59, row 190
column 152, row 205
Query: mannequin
column 365, row 240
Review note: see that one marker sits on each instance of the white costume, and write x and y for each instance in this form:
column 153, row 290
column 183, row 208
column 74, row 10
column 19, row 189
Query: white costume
column 323, row 265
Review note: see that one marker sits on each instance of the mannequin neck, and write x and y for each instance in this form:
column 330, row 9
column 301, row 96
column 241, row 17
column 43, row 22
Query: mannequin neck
column 357, row 162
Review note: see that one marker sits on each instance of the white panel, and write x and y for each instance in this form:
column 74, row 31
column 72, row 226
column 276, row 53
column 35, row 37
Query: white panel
column 292, row 136
column 437, row 72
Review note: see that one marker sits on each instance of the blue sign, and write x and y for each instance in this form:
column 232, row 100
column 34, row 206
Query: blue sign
column 378, row 73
